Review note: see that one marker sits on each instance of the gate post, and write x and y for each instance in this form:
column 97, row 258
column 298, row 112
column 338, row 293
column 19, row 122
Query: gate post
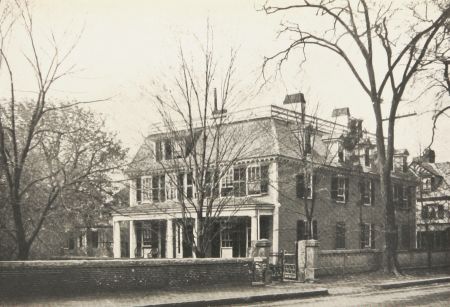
column 308, row 260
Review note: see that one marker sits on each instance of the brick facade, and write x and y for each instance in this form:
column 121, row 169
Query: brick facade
column 328, row 212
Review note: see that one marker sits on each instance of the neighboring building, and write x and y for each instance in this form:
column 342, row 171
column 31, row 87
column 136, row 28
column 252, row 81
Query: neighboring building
column 348, row 212
column 93, row 241
column 433, row 202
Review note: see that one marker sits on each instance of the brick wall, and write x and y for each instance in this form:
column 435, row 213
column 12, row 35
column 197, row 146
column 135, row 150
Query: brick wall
column 328, row 212
column 336, row 262
column 19, row 278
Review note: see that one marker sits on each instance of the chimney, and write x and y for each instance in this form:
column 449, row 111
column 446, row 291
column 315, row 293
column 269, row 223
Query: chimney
column 342, row 116
column 429, row 155
column 216, row 111
column 297, row 98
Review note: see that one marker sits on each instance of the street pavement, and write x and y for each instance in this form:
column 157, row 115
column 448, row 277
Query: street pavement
column 430, row 295
column 350, row 290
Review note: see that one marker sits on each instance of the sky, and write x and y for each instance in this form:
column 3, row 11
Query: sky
column 124, row 46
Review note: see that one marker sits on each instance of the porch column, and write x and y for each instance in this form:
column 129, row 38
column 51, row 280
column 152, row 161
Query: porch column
column 159, row 239
column 275, row 227
column 132, row 240
column 195, row 235
column 179, row 241
column 169, row 239
column 254, row 228
column 116, row 239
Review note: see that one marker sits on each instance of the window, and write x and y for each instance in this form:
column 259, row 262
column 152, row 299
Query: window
column 226, row 185
column 138, row 190
column 146, row 184
column 341, row 154
column 303, row 228
column 239, row 181
column 189, row 186
column 171, row 189
column 440, row 211
column 167, row 150
column 424, row 212
column 340, row 235
column 399, row 197
column 226, row 234
column 432, row 213
column 71, row 243
column 405, row 241
column 426, row 184
column 339, row 188
column 257, row 179
column 367, row 236
column 300, row 185
column 158, row 188
column 209, row 184
column 94, row 238
column 80, row 241
column 367, row 156
column 367, row 195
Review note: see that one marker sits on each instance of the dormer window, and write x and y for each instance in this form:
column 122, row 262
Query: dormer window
column 426, row 184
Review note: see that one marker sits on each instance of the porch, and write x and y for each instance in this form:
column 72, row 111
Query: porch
column 163, row 236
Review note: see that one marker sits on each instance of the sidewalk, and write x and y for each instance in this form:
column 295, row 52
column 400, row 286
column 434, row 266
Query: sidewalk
column 334, row 285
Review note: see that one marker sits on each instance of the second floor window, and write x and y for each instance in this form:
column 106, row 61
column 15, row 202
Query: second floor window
column 303, row 186
column 426, row 184
column 158, row 188
column 339, row 188
column 367, row 156
column 258, row 179
column 367, row 195
column 146, row 188
column 226, row 184
column 239, row 179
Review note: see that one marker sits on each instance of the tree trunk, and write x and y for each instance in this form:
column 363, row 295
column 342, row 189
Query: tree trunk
column 23, row 246
column 390, row 261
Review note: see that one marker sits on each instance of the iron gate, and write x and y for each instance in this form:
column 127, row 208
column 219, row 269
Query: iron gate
column 283, row 266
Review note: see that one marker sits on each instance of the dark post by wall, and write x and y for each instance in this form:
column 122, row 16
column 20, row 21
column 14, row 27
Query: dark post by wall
column 18, row 278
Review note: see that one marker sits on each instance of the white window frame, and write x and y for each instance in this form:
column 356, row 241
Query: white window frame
column 341, row 179
column 170, row 189
column 227, row 180
column 253, row 170
column 426, row 184
column 146, row 189
column 367, row 244
column 369, row 185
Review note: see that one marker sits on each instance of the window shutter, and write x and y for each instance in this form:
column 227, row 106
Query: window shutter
column 362, row 189
column 372, row 192
column 300, row 186
column 301, row 230
column 315, row 234
column 334, row 187
column 372, row 235
column 158, row 150
column 347, row 188
column 361, row 236
column 162, row 188
column 138, row 189
column 410, row 196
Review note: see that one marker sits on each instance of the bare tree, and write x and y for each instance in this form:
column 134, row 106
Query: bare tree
column 199, row 140
column 363, row 30
column 37, row 158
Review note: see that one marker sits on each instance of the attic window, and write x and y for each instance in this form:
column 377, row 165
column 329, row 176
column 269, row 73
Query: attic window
column 426, row 184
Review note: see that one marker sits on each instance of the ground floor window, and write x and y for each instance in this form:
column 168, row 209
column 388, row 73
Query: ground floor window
column 340, row 235
column 367, row 235
column 304, row 228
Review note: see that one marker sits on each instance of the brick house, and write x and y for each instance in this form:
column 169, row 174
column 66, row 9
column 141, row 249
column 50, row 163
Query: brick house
column 433, row 202
column 348, row 213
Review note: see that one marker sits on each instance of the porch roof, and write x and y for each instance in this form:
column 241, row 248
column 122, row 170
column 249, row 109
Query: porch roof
column 171, row 206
